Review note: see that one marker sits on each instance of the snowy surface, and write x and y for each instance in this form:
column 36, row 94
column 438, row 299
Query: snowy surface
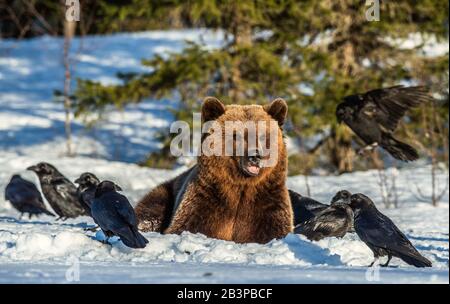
column 30, row 71
column 43, row 250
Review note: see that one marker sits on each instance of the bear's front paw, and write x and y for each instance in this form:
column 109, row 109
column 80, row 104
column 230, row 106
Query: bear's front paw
column 150, row 225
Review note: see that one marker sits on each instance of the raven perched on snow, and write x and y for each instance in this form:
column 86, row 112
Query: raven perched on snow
column 87, row 184
column 334, row 220
column 114, row 214
column 381, row 235
column 59, row 191
column 304, row 207
column 374, row 116
column 25, row 197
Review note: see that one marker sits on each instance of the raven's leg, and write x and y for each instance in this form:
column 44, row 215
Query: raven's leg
column 387, row 262
column 376, row 257
column 108, row 235
column 106, row 241
column 370, row 147
column 30, row 216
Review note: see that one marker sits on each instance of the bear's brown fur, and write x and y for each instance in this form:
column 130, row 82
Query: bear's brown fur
column 216, row 199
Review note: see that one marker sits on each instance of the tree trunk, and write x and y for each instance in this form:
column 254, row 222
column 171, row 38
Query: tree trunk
column 242, row 38
column 377, row 161
column 69, row 31
column 342, row 154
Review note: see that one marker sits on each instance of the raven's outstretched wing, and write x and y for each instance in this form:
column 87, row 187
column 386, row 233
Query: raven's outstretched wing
column 387, row 106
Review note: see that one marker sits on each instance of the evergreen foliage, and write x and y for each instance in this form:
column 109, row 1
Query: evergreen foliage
column 312, row 53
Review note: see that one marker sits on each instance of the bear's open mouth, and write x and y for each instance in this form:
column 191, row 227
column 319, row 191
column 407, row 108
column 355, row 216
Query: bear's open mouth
column 250, row 168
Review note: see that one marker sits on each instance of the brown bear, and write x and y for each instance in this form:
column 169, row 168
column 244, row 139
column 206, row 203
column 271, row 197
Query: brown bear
column 226, row 197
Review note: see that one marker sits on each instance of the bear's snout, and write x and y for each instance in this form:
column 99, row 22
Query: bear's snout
column 254, row 157
column 251, row 163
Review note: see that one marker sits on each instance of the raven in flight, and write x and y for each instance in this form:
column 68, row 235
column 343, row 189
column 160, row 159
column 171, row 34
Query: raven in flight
column 374, row 116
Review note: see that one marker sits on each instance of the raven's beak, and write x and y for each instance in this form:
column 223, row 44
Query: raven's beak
column 32, row 168
column 117, row 188
column 77, row 181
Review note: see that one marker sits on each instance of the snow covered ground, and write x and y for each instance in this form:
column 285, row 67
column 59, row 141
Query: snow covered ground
column 42, row 250
column 30, row 71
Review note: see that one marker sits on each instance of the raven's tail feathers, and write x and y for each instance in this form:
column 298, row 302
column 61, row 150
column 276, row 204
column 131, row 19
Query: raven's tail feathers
column 37, row 208
column 133, row 238
column 415, row 259
column 401, row 150
column 45, row 211
column 307, row 230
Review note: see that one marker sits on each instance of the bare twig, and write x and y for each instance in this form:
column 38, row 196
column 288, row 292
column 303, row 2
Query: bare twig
column 431, row 123
column 422, row 197
column 41, row 19
column 308, row 188
column 386, row 183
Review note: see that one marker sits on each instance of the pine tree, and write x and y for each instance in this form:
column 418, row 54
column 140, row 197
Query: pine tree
column 312, row 53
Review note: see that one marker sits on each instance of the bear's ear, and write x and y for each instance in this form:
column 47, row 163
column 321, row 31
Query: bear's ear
column 278, row 110
column 212, row 108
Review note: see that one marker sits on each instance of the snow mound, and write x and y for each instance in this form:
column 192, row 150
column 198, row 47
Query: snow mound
column 187, row 247
column 47, row 240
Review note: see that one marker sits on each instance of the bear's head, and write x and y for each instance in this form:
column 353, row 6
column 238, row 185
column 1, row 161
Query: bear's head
column 243, row 143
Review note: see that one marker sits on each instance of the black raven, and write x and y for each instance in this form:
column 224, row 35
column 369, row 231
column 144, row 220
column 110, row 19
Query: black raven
column 333, row 221
column 374, row 116
column 304, row 208
column 59, row 191
column 87, row 184
column 341, row 197
column 114, row 214
column 381, row 235
column 25, row 197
